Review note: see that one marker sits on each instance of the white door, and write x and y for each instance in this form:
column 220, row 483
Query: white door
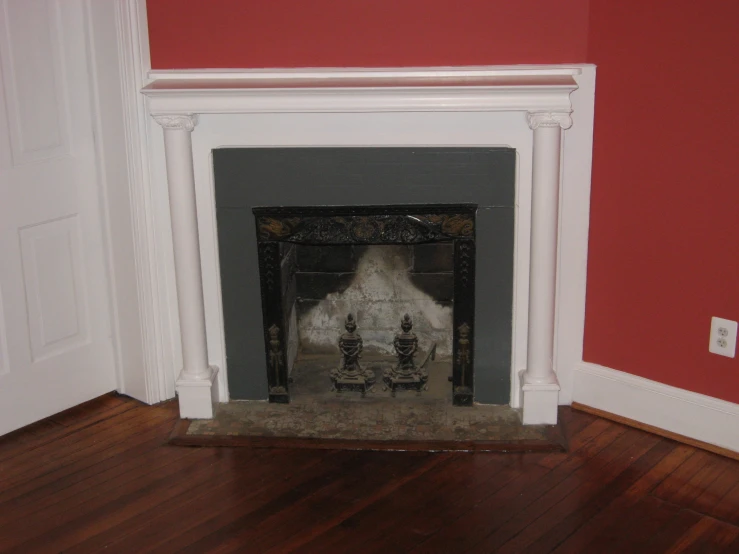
column 55, row 331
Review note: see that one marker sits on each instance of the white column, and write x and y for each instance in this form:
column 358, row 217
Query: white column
column 539, row 385
column 195, row 385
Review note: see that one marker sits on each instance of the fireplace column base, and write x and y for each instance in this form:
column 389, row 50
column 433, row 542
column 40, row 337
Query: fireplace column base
column 539, row 401
column 197, row 397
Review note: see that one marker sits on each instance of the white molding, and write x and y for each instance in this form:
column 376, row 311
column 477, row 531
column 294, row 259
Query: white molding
column 574, row 221
column 362, row 72
column 683, row 412
column 153, row 306
column 372, row 93
column 549, row 119
column 103, row 152
column 184, row 122
column 198, row 397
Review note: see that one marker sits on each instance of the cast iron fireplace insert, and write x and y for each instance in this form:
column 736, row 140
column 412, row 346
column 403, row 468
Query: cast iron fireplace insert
column 367, row 225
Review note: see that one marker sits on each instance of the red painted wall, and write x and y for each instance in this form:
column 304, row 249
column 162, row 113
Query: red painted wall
column 664, row 243
column 664, row 238
column 364, row 33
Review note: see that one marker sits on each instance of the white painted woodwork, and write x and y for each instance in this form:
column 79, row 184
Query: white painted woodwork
column 404, row 92
column 468, row 106
column 153, row 376
column 56, row 348
column 540, row 389
column 34, row 75
column 195, row 394
column 686, row 413
column 107, row 53
column 52, row 267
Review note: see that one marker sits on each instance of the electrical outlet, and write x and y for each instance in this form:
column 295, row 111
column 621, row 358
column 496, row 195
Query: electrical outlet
column 723, row 337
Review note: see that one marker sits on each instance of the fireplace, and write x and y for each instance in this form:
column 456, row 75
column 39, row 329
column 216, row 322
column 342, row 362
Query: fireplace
column 525, row 109
column 279, row 228
column 448, row 264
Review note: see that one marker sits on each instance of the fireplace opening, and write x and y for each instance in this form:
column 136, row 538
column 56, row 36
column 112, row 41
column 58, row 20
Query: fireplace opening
column 340, row 303
column 355, row 299
column 320, row 253
column 378, row 285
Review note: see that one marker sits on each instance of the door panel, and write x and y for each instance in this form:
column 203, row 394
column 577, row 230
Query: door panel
column 55, row 333
column 33, row 69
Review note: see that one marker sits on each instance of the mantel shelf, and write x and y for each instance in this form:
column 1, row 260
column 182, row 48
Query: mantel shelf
column 367, row 91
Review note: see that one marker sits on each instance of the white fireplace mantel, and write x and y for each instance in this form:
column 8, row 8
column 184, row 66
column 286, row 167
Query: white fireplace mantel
column 553, row 186
column 367, row 92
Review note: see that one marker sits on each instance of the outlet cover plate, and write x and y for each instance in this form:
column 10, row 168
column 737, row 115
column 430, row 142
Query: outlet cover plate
column 723, row 337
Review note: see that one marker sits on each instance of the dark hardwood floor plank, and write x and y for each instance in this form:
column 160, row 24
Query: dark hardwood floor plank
column 69, row 421
column 732, row 547
column 101, row 477
column 79, row 445
column 472, row 526
column 151, row 490
column 94, row 410
column 581, row 484
column 338, row 502
column 701, row 482
column 160, row 523
column 323, row 502
column 62, row 521
column 627, row 530
column 358, row 530
column 622, row 505
column 89, row 461
column 711, row 496
column 584, row 436
column 49, row 500
column 671, row 533
column 580, row 507
column 678, row 483
column 714, row 537
column 438, row 502
column 214, row 526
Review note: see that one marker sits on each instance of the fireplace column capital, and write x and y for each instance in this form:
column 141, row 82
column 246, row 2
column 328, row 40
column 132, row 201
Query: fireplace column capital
column 180, row 122
column 539, row 385
column 549, row 119
column 195, row 384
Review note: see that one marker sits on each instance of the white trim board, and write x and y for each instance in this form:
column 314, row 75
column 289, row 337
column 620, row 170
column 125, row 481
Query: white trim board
column 683, row 412
column 371, row 73
column 154, row 290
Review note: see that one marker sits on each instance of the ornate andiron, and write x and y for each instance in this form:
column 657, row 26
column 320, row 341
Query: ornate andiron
column 405, row 375
column 350, row 375
column 463, row 351
column 276, row 363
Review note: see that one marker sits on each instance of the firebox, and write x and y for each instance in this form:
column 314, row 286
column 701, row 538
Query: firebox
column 281, row 229
column 302, row 233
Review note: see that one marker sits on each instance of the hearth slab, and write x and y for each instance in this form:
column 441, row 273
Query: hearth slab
column 319, row 418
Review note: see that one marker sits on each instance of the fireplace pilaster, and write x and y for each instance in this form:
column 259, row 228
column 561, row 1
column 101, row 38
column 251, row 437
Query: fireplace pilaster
column 195, row 383
column 539, row 384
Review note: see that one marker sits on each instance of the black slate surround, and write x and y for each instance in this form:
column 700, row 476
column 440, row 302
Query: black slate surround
column 349, row 225
column 318, row 176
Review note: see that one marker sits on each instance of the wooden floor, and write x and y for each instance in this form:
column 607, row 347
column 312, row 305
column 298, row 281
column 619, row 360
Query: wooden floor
column 101, row 477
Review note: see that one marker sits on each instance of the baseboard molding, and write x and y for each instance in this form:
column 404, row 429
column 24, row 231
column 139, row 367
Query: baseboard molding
column 656, row 430
column 675, row 413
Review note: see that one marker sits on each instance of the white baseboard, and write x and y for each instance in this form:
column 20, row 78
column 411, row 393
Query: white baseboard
column 683, row 412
